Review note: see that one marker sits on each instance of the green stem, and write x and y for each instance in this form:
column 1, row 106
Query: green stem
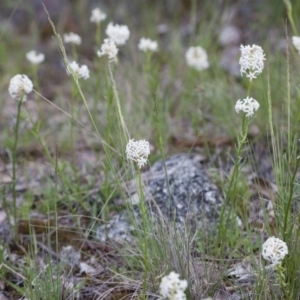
column 289, row 202
column 74, row 92
column 230, row 199
column 283, row 283
column 242, row 140
column 98, row 34
column 288, row 87
column 35, row 77
column 74, row 52
column 144, row 225
column 119, row 110
column 14, row 161
column 289, row 10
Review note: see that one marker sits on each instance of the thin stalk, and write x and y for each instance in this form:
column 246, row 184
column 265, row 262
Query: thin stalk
column 98, row 34
column 74, row 92
column 144, row 227
column 74, row 52
column 289, row 202
column 35, row 76
column 193, row 20
column 14, row 161
column 119, row 110
column 288, row 88
column 65, row 58
column 289, row 10
column 36, row 133
column 56, row 197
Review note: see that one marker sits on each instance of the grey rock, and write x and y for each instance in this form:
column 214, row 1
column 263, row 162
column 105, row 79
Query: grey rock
column 184, row 195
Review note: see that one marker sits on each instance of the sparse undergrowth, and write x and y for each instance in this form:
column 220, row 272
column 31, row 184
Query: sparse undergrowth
column 87, row 140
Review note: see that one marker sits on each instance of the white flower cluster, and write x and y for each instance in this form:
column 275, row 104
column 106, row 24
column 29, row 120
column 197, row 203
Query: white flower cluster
column 110, row 49
column 251, row 61
column 72, row 38
column 274, row 250
column 196, row 57
column 296, row 43
column 147, row 45
column 34, row 57
column 138, row 151
column 19, row 87
column 172, row 287
column 119, row 34
column 97, row 15
column 80, row 72
column 247, row 105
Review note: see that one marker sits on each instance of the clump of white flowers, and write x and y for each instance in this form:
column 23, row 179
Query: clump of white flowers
column 119, row 34
column 72, row 38
column 34, row 57
column 97, row 15
column 138, row 151
column 110, row 49
column 296, row 43
column 172, row 287
column 252, row 64
column 147, row 45
column 19, row 87
column 274, row 250
column 251, row 61
column 247, row 105
column 79, row 71
column 196, row 57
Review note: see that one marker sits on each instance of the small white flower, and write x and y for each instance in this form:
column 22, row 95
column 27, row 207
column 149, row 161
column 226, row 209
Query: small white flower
column 251, row 61
column 19, row 87
column 117, row 33
column 247, row 105
column 34, row 57
column 147, row 45
column 296, row 43
column 172, row 287
column 196, row 57
column 138, row 151
column 72, row 38
column 110, row 49
column 274, row 250
column 80, row 72
column 97, row 15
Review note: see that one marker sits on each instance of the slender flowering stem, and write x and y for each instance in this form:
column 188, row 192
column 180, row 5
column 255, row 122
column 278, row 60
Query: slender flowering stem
column 242, row 140
column 35, row 76
column 98, row 34
column 117, row 100
column 144, row 226
column 138, row 151
column 282, row 281
column 74, row 52
column 74, row 93
column 289, row 10
column 14, row 161
column 289, row 201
